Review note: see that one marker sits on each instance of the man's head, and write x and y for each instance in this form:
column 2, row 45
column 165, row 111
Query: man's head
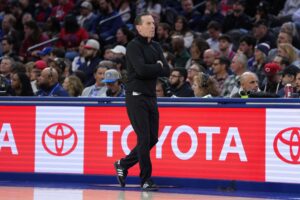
column 193, row 70
column 260, row 29
column 7, row 45
column 177, row 77
column 289, row 75
column 297, row 82
column 220, row 65
column 249, row 82
column 112, row 80
column 163, row 30
column 209, row 57
column 91, row 48
column 48, row 78
column 224, row 42
column 145, row 26
column 214, row 29
column 238, row 7
column 239, row 64
column 187, row 6
column 99, row 74
column 6, row 65
column 247, row 44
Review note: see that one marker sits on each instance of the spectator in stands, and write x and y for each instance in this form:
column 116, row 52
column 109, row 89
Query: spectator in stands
column 208, row 58
column 246, row 46
column 263, row 13
column 7, row 47
column 33, row 36
column 260, row 59
column 205, row 86
column 99, row 88
column 249, row 83
column 293, row 29
column 192, row 16
column 262, row 33
column 281, row 61
column 70, row 36
column 73, row 85
column 79, row 60
column 272, row 82
column 211, row 13
column 163, row 88
column 52, row 27
column 112, row 80
column 289, row 8
column 91, row 51
column 288, row 77
column 35, row 72
column 179, row 86
column 20, row 85
column 63, row 8
column 163, row 33
column 182, row 28
column 193, row 70
column 286, row 50
column 127, row 8
column 237, row 19
column 45, row 53
column 214, row 32
column 225, row 46
column 180, row 52
column 238, row 67
column 197, row 49
column 48, row 84
column 297, row 82
column 86, row 18
column 118, row 51
column 6, row 66
column 220, row 69
column 8, row 30
column 107, row 23
column 42, row 12
column 123, row 36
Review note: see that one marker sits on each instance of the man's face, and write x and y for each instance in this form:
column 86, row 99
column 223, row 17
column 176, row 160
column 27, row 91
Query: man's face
column 160, row 32
column 187, row 6
column 244, row 47
column 250, row 83
column 223, row 45
column 216, row 66
column 147, row 27
column 298, row 82
column 175, row 78
column 5, row 66
column 208, row 58
column 6, row 47
column 235, row 65
column 192, row 71
column 43, row 80
column 114, row 86
column 99, row 76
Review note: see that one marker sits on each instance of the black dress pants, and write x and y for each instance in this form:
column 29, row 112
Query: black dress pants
column 144, row 118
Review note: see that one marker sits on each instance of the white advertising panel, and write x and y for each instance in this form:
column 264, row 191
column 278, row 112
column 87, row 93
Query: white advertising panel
column 283, row 145
column 59, row 143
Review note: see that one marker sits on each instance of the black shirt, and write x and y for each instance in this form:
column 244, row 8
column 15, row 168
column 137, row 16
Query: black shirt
column 142, row 66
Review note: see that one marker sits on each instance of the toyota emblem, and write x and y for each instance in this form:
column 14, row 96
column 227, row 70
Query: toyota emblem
column 287, row 145
column 59, row 139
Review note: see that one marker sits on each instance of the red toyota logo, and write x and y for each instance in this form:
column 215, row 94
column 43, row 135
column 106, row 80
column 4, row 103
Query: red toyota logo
column 59, row 139
column 289, row 142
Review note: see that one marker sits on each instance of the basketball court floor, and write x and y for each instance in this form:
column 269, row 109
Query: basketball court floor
column 67, row 191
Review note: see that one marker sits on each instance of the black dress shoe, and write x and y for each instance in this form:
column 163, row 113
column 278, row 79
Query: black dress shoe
column 121, row 173
column 149, row 185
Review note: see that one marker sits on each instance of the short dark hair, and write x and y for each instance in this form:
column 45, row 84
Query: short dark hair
column 224, row 61
column 138, row 19
column 214, row 25
column 249, row 39
column 182, row 71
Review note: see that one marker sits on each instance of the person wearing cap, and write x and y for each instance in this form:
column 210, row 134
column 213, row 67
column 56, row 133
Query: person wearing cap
column 48, row 84
column 262, row 33
column 118, row 51
column 35, row 72
column 112, row 80
column 86, row 18
column 45, row 53
column 91, row 52
column 238, row 19
column 260, row 59
column 99, row 88
column 145, row 63
column 271, row 83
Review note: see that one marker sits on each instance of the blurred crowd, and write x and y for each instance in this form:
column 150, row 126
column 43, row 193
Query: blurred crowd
column 215, row 48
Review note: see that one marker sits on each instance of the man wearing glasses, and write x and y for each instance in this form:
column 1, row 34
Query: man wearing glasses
column 179, row 86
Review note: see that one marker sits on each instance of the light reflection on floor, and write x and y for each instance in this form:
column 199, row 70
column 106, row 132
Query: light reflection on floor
column 37, row 193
